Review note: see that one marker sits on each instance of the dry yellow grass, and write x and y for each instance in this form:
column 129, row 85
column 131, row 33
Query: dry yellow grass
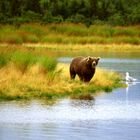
column 34, row 83
column 102, row 77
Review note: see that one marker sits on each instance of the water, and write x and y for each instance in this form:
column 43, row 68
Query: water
column 113, row 116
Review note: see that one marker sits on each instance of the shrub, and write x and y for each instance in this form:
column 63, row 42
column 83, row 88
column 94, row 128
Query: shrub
column 31, row 16
column 78, row 18
column 48, row 18
column 116, row 19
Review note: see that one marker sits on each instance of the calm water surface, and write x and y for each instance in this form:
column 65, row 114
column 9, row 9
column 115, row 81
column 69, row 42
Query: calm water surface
column 113, row 116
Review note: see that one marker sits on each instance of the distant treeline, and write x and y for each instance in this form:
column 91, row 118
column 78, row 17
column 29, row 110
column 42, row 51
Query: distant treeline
column 115, row 12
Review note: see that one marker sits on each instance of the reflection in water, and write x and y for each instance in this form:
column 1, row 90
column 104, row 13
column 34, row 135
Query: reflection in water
column 82, row 103
column 129, row 85
column 127, row 92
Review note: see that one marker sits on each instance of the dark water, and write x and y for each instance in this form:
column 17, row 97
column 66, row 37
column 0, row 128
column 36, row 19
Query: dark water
column 113, row 116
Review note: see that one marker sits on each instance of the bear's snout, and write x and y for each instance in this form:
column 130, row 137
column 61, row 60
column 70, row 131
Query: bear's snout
column 93, row 64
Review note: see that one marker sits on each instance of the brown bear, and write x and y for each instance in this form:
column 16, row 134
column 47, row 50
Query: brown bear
column 84, row 67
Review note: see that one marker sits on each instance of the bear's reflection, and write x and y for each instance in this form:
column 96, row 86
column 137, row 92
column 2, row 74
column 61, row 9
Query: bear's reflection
column 82, row 103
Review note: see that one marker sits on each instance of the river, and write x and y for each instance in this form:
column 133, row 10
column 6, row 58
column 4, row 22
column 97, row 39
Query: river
column 111, row 116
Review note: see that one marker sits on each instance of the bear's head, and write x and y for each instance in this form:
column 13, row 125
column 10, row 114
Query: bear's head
column 92, row 61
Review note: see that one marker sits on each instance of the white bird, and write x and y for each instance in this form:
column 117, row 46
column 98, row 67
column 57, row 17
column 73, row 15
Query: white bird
column 129, row 78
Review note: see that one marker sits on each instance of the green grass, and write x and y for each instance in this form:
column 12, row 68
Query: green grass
column 66, row 33
column 35, row 29
column 23, row 60
column 48, row 63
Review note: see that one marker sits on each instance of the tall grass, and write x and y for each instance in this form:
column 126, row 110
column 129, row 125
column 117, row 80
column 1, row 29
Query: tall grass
column 50, row 85
column 69, row 34
column 24, row 60
column 48, row 63
column 35, row 29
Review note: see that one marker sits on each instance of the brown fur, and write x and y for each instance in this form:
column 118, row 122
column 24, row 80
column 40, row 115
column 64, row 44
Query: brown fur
column 84, row 67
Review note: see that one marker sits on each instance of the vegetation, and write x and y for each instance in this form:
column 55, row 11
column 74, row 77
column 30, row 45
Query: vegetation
column 23, row 61
column 95, row 25
column 57, row 84
column 68, row 33
column 25, row 74
column 115, row 12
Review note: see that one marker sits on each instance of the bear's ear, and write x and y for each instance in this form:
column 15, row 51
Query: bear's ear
column 97, row 60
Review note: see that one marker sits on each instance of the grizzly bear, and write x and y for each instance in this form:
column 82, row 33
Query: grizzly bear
column 84, row 67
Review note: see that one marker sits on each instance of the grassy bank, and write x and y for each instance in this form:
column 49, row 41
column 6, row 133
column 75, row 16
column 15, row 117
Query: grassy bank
column 42, row 78
column 66, row 33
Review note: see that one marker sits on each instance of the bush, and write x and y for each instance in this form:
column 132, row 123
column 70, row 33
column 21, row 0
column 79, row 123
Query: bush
column 48, row 18
column 31, row 16
column 78, row 18
column 116, row 19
